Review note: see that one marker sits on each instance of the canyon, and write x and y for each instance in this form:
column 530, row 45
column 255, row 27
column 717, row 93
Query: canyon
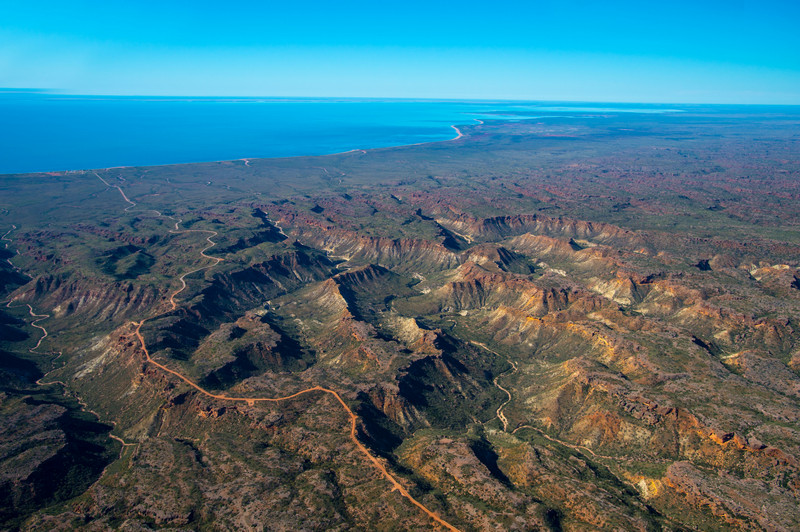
column 584, row 323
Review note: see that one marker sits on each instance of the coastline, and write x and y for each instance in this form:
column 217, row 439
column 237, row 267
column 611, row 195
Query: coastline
column 245, row 160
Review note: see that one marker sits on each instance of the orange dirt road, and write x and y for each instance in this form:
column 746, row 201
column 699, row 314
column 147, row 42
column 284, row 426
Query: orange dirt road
column 353, row 424
column 396, row 486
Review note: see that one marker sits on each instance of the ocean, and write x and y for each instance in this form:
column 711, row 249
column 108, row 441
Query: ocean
column 42, row 132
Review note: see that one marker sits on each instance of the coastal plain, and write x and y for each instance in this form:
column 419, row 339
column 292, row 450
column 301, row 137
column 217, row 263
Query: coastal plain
column 583, row 322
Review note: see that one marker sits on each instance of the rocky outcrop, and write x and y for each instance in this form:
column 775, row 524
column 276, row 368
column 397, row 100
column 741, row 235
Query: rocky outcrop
column 397, row 254
column 50, row 452
column 493, row 256
column 740, row 503
column 504, row 226
column 90, row 299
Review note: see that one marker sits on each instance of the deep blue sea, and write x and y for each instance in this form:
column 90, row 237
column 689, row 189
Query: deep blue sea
column 45, row 132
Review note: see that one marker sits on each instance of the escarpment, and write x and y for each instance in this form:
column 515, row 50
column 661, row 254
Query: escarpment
column 563, row 328
column 403, row 254
column 489, row 255
column 472, row 288
column 89, row 299
column 568, row 343
column 500, row 227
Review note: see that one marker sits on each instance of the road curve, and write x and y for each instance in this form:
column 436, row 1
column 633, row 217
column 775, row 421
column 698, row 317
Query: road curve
column 210, row 245
column 396, row 486
column 35, row 323
column 500, row 415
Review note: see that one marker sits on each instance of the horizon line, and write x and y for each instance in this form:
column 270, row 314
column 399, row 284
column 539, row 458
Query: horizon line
column 59, row 92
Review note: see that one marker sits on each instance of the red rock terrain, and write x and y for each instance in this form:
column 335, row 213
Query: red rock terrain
column 512, row 331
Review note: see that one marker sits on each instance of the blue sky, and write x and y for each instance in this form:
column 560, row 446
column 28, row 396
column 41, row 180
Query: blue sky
column 704, row 52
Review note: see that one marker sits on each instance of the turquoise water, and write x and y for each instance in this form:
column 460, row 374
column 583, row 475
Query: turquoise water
column 45, row 132
column 41, row 133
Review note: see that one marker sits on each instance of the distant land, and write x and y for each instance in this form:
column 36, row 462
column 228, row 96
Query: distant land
column 570, row 317
column 53, row 132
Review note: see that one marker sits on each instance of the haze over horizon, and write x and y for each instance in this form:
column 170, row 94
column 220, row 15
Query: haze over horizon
column 731, row 52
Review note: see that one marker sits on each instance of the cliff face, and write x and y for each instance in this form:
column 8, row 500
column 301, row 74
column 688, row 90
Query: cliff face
column 473, row 288
column 401, row 254
column 52, row 451
column 500, row 227
column 565, row 346
column 519, row 330
column 88, row 299
column 546, row 352
column 492, row 256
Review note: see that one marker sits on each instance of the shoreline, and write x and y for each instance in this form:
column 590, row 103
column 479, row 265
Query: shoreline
column 246, row 160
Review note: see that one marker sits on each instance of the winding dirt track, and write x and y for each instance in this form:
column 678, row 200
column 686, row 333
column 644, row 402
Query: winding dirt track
column 396, row 486
column 5, row 237
column 132, row 204
column 182, row 278
column 7, row 240
column 560, row 442
column 500, row 415
column 35, row 323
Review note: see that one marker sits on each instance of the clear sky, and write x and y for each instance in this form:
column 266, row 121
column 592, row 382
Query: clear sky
column 731, row 51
